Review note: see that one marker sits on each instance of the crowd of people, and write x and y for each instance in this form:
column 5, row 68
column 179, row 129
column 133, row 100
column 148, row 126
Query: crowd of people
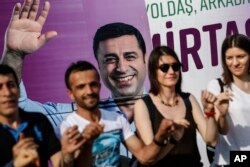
column 133, row 127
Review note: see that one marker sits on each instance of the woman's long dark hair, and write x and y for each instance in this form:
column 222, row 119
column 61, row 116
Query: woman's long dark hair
column 153, row 63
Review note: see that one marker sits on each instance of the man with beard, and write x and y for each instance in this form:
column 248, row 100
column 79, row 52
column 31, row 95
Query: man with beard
column 119, row 50
column 29, row 139
column 83, row 84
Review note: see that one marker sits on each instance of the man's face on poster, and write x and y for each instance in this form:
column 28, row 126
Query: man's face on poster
column 122, row 65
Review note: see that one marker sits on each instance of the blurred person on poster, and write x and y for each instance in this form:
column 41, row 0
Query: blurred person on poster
column 167, row 100
column 233, row 98
column 83, row 84
column 119, row 49
column 28, row 138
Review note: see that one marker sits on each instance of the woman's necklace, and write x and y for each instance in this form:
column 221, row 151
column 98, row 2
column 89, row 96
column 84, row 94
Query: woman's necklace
column 175, row 103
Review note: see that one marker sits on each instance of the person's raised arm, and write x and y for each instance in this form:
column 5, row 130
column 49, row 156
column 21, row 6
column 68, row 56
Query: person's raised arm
column 223, row 96
column 206, row 125
column 211, row 132
column 23, row 35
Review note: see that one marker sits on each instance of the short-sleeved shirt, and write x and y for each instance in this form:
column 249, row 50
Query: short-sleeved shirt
column 106, row 148
column 57, row 112
column 238, row 119
column 34, row 125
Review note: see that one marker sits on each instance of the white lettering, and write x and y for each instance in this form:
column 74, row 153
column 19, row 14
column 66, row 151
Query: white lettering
column 240, row 158
column 243, row 157
column 237, row 158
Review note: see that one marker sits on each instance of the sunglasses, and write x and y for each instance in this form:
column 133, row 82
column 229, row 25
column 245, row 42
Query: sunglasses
column 174, row 66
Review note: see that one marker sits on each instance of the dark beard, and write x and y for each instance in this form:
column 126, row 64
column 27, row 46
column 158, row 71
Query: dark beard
column 92, row 108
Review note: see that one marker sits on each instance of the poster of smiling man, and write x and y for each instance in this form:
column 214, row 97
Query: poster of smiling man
column 195, row 29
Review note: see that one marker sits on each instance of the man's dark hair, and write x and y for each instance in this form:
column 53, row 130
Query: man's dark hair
column 6, row 70
column 78, row 66
column 114, row 30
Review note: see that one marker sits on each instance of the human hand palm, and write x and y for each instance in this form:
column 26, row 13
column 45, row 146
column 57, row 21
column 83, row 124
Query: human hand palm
column 179, row 127
column 222, row 102
column 92, row 131
column 25, row 152
column 27, row 157
column 178, row 133
column 71, row 146
column 23, row 35
column 24, row 31
column 223, row 107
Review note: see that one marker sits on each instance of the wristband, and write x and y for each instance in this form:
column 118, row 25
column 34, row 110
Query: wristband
column 160, row 144
column 210, row 113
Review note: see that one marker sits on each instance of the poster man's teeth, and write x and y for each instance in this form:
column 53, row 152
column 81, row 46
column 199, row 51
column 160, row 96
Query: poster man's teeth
column 125, row 78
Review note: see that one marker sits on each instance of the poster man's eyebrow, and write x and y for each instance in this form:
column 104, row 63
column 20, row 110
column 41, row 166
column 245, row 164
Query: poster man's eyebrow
column 130, row 52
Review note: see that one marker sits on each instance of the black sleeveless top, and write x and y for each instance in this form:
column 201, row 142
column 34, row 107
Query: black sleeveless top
column 185, row 152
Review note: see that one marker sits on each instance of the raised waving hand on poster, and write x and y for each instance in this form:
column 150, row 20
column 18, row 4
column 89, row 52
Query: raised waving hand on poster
column 24, row 33
column 120, row 55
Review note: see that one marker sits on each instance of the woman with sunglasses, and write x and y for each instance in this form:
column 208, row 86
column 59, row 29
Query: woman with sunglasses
column 167, row 101
column 233, row 99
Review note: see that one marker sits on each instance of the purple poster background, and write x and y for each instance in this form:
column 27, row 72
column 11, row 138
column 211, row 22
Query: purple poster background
column 76, row 22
